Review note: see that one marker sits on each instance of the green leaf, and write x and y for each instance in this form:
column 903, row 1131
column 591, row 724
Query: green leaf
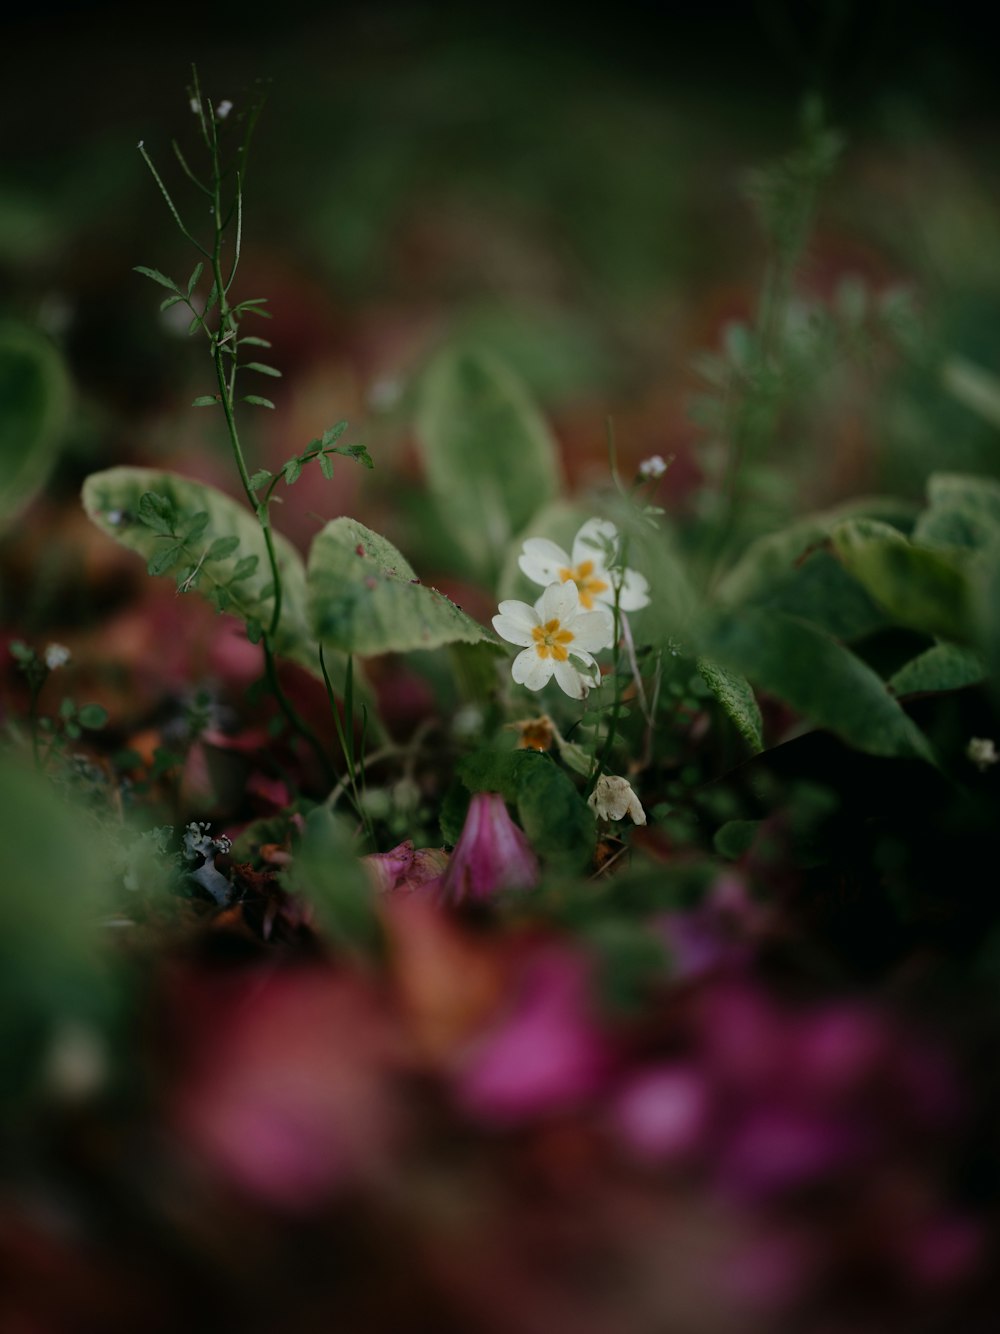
column 244, row 568
column 819, row 589
column 94, row 716
column 206, row 401
column 963, row 511
column 196, row 526
column 491, row 461
column 193, row 280
column 559, row 824
column 918, row 587
column 365, row 598
column 262, row 476
column 973, row 387
column 259, row 366
column 112, row 498
column 157, row 277
column 357, row 452
column 326, row 466
column 165, row 559
column 943, row 667
column 35, row 397
column 158, row 513
column 328, row 873
column 256, row 399
column 737, row 699
column 770, row 560
column 735, row 838
column 222, row 547
column 254, row 341
column 333, row 433
column 817, row 676
column 169, row 302
column 292, row 471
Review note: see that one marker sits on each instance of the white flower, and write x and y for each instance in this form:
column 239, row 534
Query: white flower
column 982, row 751
column 594, row 548
column 56, row 655
column 223, row 109
column 559, row 638
column 654, row 466
column 613, row 799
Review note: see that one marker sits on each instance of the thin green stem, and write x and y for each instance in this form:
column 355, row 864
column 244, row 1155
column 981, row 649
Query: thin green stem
column 345, row 735
column 295, row 719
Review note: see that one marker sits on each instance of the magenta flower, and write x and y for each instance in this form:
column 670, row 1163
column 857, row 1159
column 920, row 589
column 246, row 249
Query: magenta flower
column 491, row 854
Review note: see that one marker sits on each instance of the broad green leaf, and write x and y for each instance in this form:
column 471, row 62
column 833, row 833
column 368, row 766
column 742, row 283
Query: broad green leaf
column 735, row 838
column 364, row 597
column 943, row 667
column 34, row 405
column 817, row 676
column 737, row 699
column 491, row 461
column 819, row 589
column 114, row 499
column 919, row 588
column 962, row 511
column 771, row 559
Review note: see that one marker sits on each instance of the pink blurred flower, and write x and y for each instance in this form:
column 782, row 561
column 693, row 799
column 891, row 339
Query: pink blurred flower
column 491, row 854
column 547, row 1055
column 661, row 1114
column 405, row 869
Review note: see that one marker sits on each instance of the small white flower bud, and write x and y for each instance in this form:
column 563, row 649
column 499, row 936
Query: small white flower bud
column 223, row 109
column 56, row 655
column 654, row 466
column 982, row 751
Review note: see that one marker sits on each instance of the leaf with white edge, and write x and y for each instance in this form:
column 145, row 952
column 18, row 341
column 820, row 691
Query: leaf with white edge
column 206, row 401
column 943, row 667
column 114, row 499
column 737, row 699
column 258, row 401
column 490, row 458
column 35, row 395
column 817, row 676
column 919, row 588
column 364, row 597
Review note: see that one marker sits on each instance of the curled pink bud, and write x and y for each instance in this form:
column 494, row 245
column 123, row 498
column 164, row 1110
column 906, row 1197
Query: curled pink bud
column 491, row 854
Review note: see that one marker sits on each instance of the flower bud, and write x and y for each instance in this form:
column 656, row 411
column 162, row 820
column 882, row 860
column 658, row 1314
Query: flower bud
column 491, row 854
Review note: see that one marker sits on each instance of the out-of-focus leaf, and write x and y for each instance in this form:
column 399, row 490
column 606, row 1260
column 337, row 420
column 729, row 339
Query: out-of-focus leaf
column 364, row 597
column 329, row 874
column 34, row 405
column 53, row 895
column 771, row 559
column 919, row 588
column 963, row 510
column 816, row 675
column 943, row 667
column 819, row 589
column 735, row 838
column 973, row 387
column 735, row 695
column 113, row 500
column 491, row 461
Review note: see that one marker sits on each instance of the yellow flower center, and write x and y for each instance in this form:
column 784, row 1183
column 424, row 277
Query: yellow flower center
column 587, row 582
column 549, row 638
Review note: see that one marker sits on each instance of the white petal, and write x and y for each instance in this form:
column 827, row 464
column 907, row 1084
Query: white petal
column 593, row 630
column 635, row 591
column 571, row 682
column 531, row 671
column 515, row 622
column 541, row 560
column 591, row 540
column 559, row 602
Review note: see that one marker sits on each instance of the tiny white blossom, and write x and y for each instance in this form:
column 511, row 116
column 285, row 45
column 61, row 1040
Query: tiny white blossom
column 654, row 466
column 558, row 637
column 982, row 751
column 56, row 655
column 224, row 108
column 613, row 799
column 195, row 106
column 544, row 563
